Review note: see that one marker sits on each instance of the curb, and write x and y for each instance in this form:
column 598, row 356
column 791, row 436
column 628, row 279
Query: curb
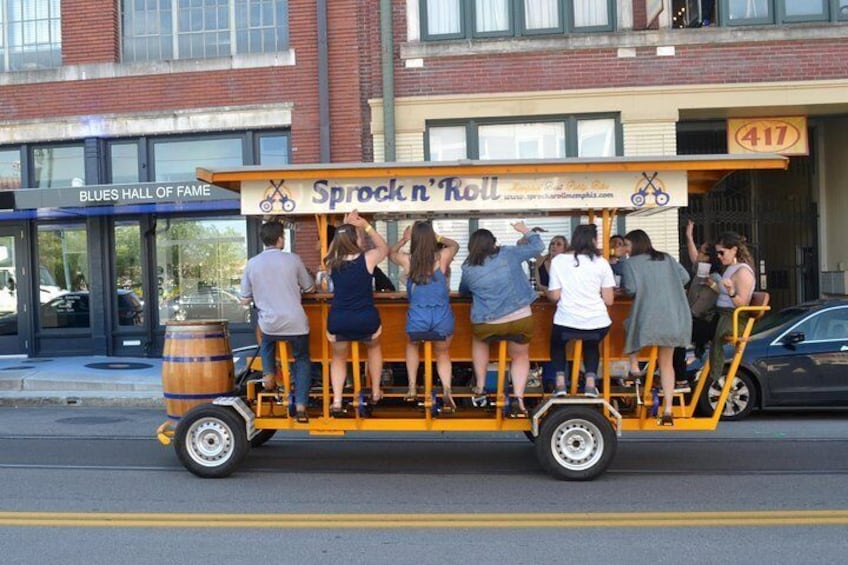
column 77, row 399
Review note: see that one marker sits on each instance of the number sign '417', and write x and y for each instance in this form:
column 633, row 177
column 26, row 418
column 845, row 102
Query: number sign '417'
column 784, row 136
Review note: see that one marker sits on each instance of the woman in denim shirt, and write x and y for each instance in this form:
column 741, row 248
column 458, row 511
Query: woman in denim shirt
column 502, row 295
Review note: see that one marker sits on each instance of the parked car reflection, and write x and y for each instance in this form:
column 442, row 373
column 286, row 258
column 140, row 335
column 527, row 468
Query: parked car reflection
column 798, row 357
column 72, row 310
column 206, row 304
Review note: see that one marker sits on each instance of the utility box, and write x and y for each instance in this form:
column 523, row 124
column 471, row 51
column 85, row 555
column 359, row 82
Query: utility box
column 834, row 283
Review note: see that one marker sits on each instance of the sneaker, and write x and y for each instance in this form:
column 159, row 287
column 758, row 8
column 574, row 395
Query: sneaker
column 591, row 391
column 561, row 392
column 705, row 23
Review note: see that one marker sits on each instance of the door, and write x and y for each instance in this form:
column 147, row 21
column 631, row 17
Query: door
column 14, row 292
column 129, row 291
column 811, row 371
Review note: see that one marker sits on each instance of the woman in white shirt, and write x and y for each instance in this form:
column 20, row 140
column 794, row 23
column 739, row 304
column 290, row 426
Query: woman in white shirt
column 582, row 285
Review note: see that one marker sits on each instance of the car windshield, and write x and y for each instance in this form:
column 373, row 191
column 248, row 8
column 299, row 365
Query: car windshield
column 775, row 319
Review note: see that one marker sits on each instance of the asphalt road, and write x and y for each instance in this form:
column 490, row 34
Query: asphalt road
column 94, row 486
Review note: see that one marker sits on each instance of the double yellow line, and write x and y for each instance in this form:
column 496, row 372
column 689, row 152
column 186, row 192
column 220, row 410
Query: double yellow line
column 465, row 520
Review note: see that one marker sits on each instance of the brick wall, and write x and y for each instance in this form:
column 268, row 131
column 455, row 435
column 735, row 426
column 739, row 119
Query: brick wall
column 91, row 35
column 90, row 32
column 599, row 68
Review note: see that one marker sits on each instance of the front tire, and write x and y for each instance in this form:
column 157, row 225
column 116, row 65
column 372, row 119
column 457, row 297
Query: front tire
column 576, row 444
column 211, row 441
column 740, row 401
column 262, row 437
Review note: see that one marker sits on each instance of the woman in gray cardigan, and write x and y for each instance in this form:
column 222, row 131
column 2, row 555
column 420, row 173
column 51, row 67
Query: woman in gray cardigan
column 660, row 313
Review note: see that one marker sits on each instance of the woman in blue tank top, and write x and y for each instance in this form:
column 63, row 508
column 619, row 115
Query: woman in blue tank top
column 353, row 316
column 429, row 301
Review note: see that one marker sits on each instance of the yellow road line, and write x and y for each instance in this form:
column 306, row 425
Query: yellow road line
column 395, row 521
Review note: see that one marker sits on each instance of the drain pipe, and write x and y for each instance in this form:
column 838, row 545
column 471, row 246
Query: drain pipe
column 323, row 83
column 387, row 63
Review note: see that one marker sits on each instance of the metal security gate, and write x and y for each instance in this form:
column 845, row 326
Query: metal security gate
column 774, row 210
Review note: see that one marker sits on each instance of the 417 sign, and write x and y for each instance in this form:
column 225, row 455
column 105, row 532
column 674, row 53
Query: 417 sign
column 784, row 136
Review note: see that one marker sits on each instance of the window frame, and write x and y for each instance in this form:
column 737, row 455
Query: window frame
column 175, row 34
column 8, row 51
column 517, row 25
column 472, row 140
column 777, row 15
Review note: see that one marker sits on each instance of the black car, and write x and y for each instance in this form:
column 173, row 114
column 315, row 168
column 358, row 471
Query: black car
column 797, row 357
column 72, row 310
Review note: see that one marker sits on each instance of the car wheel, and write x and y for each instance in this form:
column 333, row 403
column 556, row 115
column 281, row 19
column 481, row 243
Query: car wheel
column 211, row 441
column 741, row 400
column 575, row 443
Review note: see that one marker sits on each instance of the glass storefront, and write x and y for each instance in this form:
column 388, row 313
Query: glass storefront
column 63, row 274
column 199, row 263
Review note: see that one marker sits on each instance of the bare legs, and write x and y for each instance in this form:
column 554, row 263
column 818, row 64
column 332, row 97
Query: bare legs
column 444, row 367
column 666, row 362
column 480, row 361
column 338, row 367
column 519, row 369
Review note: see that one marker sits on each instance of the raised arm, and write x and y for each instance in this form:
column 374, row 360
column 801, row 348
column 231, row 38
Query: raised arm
column 375, row 256
column 446, row 255
column 691, row 248
column 396, row 255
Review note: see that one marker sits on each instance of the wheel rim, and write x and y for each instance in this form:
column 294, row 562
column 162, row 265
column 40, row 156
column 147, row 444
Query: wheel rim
column 210, row 442
column 737, row 399
column 577, row 444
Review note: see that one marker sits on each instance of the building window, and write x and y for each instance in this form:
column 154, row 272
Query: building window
column 749, row 12
column 123, row 162
column 178, row 160
column 63, row 274
column 545, row 138
column 456, row 19
column 58, row 166
column 199, row 29
column 10, row 169
column 199, row 263
column 273, row 149
column 30, row 35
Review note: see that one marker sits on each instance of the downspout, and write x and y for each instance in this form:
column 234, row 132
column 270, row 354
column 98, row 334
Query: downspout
column 323, row 83
column 387, row 63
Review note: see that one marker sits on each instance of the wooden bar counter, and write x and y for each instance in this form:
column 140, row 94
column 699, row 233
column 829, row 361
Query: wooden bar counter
column 393, row 306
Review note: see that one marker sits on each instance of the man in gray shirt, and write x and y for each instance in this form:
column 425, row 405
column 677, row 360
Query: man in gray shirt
column 274, row 281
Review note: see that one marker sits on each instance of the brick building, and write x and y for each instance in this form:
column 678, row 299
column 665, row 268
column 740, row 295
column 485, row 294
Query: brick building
column 107, row 107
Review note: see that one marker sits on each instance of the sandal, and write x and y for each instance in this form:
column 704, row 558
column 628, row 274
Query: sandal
column 336, row 411
column 667, row 419
column 448, row 405
column 411, row 395
column 300, row 415
column 376, row 397
column 516, row 410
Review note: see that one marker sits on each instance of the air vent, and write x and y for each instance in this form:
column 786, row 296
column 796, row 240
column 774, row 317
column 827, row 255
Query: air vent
column 834, row 282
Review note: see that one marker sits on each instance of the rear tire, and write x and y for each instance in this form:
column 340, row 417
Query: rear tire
column 576, row 443
column 211, row 441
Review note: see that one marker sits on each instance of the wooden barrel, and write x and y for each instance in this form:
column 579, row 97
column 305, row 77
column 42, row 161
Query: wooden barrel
column 197, row 365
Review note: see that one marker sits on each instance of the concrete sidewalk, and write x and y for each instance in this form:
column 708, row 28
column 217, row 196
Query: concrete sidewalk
column 87, row 381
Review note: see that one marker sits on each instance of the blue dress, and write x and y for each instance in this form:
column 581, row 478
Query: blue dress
column 352, row 311
column 429, row 306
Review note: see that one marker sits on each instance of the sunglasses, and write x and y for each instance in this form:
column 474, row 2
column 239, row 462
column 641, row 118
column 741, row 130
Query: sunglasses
column 720, row 252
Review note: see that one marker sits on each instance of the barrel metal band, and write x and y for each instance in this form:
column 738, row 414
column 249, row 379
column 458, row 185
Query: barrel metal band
column 193, row 336
column 203, row 396
column 176, row 359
